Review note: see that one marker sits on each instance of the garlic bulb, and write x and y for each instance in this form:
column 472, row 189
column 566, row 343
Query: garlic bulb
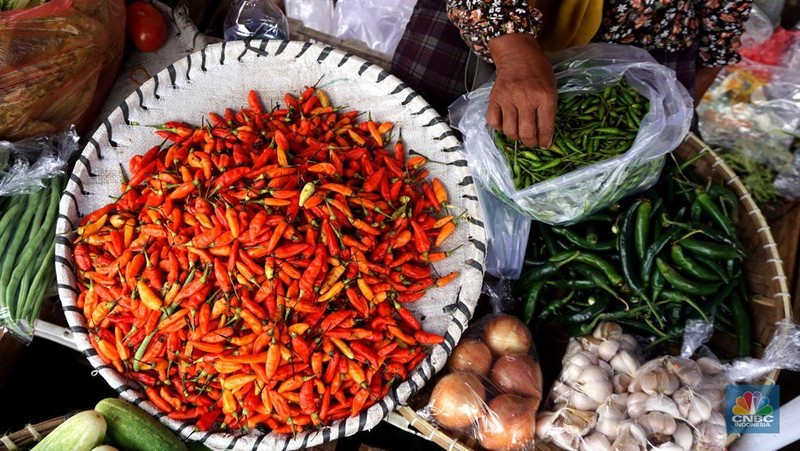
column 621, row 382
column 631, row 438
column 658, row 380
column 573, row 347
column 593, row 383
column 618, row 400
column 595, row 442
column 578, row 422
column 662, row 403
column 560, row 392
column 576, row 363
column 657, row 423
column 628, row 342
column 667, row 446
column 709, row 366
column 625, row 363
column 591, row 344
column 686, row 370
column 710, row 437
column 564, row 439
column 607, row 331
column 582, row 401
column 606, row 367
column 608, row 419
column 715, row 397
column 692, row 406
column 607, row 349
column 717, row 419
column 683, row 436
column 544, row 424
column 636, row 403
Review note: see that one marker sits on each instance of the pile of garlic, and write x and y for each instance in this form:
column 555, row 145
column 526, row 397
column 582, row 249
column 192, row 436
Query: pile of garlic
column 606, row 399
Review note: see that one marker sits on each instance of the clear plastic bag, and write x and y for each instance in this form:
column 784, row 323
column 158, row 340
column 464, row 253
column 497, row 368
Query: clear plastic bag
column 378, row 23
column 753, row 109
column 31, row 181
column 607, row 397
column 757, row 29
column 255, row 19
column 26, row 164
column 582, row 192
column 57, row 63
column 506, row 236
column 493, row 387
column 315, row 14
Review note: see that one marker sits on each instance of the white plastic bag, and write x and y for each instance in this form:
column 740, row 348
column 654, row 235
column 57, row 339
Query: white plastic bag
column 315, row 14
column 378, row 23
column 582, row 192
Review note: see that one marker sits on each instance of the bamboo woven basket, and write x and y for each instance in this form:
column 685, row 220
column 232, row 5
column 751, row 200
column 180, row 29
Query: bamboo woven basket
column 30, row 435
column 770, row 299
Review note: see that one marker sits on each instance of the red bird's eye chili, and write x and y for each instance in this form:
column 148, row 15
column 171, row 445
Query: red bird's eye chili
column 253, row 271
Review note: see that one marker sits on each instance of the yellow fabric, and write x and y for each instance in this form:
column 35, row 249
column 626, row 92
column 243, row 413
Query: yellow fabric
column 568, row 23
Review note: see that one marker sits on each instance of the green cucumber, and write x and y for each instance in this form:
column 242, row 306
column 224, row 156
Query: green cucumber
column 81, row 432
column 133, row 429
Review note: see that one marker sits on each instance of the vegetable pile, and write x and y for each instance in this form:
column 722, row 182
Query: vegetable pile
column 589, row 127
column 494, row 386
column 606, row 398
column 116, row 423
column 649, row 263
column 253, row 270
column 27, row 254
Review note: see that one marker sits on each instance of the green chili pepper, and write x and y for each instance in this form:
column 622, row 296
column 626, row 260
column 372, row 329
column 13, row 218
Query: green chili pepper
column 531, row 299
column 680, row 283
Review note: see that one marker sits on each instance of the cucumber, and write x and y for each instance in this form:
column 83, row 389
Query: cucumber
column 133, row 429
column 105, row 448
column 81, row 432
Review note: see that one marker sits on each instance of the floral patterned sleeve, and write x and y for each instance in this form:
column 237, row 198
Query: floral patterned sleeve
column 479, row 21
column 721, row 29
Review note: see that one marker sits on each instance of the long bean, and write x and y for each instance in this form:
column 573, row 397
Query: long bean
column 44, row 226
column 9, row 258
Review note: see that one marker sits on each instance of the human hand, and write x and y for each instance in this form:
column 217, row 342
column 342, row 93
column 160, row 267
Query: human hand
column 523, row 100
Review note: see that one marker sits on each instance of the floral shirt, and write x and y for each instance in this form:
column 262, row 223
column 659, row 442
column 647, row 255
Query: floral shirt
column 714, row 26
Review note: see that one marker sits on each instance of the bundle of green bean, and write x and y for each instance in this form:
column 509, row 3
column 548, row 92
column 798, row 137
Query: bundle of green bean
column 27, row 253
column 589, row 127
column 650, row 263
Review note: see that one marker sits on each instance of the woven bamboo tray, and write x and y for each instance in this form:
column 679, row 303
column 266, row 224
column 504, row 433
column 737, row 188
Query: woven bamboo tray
column 28, row 437
column 770, row 299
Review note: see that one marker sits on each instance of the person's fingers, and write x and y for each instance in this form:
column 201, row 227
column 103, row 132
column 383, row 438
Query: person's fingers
column 510, row 121
column 527, row 126
column 545, row 122
column 494, row 116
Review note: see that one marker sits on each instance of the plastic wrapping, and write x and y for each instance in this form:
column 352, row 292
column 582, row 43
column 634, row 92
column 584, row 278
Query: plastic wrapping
column 696, row 333
column 506, row 236
column 30, row 190
column 783, row 352
column 255, row 19
column 316, row 14
column 608, row 398
column 26, row 164
column 582, row 192
column 378, row 23
column 757, row 29
column 493, row 386
column 57, row 63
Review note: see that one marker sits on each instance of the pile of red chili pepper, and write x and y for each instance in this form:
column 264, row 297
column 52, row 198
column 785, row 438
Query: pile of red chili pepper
column 253, row 270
